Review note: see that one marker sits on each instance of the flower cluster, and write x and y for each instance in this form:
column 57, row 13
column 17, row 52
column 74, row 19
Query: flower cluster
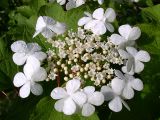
column 83, row 54
column 89, row 68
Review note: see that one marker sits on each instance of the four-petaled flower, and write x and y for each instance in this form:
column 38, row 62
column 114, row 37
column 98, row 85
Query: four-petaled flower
column 127, row 36
column 99, row 21
column 134, row 59
column 32, row 73
column 23, row 51
column 112, row 93
column 69, row 98
column 48, row 27
column 130, row 84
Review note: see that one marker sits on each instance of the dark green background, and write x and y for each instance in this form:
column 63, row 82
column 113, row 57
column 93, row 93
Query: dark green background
column 17, row 22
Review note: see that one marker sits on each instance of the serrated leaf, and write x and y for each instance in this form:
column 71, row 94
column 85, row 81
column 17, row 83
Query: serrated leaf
column 150, row 38
column 152, row 13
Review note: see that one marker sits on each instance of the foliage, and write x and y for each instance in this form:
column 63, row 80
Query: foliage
column 17, row 21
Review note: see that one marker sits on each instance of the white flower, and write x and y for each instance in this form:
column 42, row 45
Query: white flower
column 127, row 36
column 32, row 73
column 99, row 21
column 93, row 98
column 134, row 0
column 100, row 2
column 69, row 98
column 130, row 84
column 113, row 94
column 61, row 2
column 74, row 4
column 134, row 59
column 48, row 27
column 23, row 51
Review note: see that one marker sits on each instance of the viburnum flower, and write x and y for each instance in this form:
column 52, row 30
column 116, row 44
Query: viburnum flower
column 134, row 59
column 23, row 51
column 93, row 98
column 69, row 98
column 48, row 27
column 33, row 73
column 74, row 4
column 112, row 93
column 130, row 84
column 127, row 36
column 99, row 21
column 61, row 2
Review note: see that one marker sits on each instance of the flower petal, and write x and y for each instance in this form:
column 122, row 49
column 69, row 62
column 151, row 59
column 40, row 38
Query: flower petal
column 98, row 13
column 128, row 92
column 39, row 75
column 80, row 98
column 100, row 2
column 72, row 86
column 135, row 33
column 89, row 90
column 109, row 27
column 125, row 104
column 71, row 4
column 139, row 66
column 99, row 28
column 124, row 69
column 19, row 58
column 58, row 93
column 131, row 50
column 90, row 24
column 33, row 47
column 88, row 109
column 19, row 46
column 49, row 20
column 40, row 56
column 58, row 28
column 47, row 33
column 40, row 24
column 97, row 99
column 107, row 92
column 36, row 88
column 110, row 15
column 83, row 21
column 123, row 54
column 117, row 39
column 25, row 90
column 119, row 74
column 143, row 56
column 117, row 85
column 59, row 105
column 124, row 30
column 80, row 2
column 69, row 107
column 19, row 79
column 137, row 84
column 115, row 104
column 31, row 66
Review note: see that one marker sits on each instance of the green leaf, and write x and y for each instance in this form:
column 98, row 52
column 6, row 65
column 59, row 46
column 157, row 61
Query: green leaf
column 6, row 63
column 151, row 14
column 150, row 38
column 45, row 111
column 37, row 4
column 25, row 11
column 21, row 109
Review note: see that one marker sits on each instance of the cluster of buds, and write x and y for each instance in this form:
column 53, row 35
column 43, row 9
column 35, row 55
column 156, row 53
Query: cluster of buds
column 85, row 55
